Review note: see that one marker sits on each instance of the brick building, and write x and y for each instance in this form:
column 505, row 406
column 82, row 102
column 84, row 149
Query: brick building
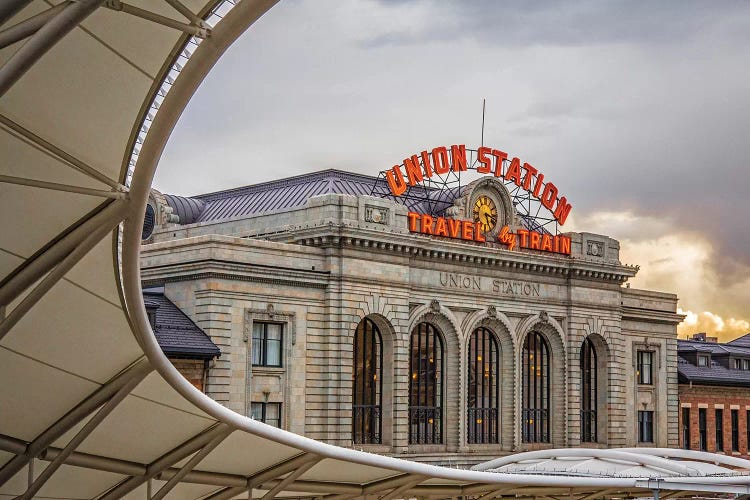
column 714, row 393
column 338, row 319
column 188, row 347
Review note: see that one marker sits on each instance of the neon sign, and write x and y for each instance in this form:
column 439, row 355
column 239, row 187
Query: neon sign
column 467, row 230
column 442, row 160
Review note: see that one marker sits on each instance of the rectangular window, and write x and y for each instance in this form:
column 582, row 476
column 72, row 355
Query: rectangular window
column 645, row 367
column 735, row 430
column 746, row 364
column 738, row 364
column 268, row 413
column 702, row 429
column 267, row 338
column 719, row 414
column 702, row 360
column 645, row 426
column 686, row 428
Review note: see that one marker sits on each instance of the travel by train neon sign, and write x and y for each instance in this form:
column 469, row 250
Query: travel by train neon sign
column 430, row 170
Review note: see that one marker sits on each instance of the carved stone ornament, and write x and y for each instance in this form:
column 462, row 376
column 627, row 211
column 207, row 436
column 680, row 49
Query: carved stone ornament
column 595, row 248
column 544, row 316
column 435, row 305
column 377, row 215
column 270, row 310
column 491, row 312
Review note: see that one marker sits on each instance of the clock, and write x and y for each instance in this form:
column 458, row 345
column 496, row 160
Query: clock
column 485, row 213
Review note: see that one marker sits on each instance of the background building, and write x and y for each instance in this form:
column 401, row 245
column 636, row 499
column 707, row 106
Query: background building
column 184, row 343
column 714, row 394
column 336, row 321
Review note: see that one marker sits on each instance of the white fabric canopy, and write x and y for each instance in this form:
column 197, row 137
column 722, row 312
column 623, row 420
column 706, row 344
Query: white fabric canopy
column 89, row 405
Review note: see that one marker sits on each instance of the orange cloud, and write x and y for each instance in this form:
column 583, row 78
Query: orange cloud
column 713, row 324
column 681, row 262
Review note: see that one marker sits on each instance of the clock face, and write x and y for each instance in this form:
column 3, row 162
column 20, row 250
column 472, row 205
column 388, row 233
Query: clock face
column 485, row 213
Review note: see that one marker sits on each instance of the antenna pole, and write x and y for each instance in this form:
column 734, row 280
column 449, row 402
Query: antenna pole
column 483, row 104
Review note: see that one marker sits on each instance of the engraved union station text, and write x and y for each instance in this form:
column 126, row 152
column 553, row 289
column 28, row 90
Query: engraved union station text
column 497, row 286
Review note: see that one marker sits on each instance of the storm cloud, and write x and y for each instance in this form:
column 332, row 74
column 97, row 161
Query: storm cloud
column 637, row 109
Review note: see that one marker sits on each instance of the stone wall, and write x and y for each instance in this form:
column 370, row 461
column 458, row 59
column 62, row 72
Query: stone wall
column 326, row 267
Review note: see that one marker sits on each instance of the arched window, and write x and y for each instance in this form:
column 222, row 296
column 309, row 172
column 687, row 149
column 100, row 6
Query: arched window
column 588, row 392
column 482, row 414
column 368, row 384
column 426, row 386
column 535, row 398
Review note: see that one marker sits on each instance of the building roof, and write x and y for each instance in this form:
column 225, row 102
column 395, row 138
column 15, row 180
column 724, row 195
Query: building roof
column 717, row 372
column 176, row 333
column 273, row 196
column 743, row 341
column 293, row 192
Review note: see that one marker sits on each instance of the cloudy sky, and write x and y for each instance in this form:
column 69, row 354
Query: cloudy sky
column 639, row 111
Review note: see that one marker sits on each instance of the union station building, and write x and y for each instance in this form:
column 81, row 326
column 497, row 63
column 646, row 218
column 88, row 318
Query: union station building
column 356, row 319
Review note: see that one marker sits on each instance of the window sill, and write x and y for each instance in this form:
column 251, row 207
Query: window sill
column 268, row 369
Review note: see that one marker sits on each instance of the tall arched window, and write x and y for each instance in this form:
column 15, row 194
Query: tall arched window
column 588, row 392
column 368, row 384
column 482, row 411
column 535, row 398
column 426, row 386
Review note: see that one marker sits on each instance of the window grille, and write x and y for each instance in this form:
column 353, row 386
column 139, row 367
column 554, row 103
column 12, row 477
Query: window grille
column 482, row 402
column 645, row 426
column 367, row 384
column 535, row 397
column 588, row 392
column 426, row 386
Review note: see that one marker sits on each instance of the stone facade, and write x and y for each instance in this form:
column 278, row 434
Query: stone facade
column 321, row 268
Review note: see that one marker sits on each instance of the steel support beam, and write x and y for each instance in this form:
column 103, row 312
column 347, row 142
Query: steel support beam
column 280, row 469
column 669, row 485
column 271, row 494
column 21, row 181
column 66, row 264
column 402, row 489
column 164, row 462
column 9, row 8
column 29, row 26
column 34, row 269
column 189, row 15
column 73, row 417
column 117, row 5
column 24, row 134
column 388, row 483
column 85, row 431
column 599, row 494
column 227, row 493
column 43, row 40
column 495, row 492
column 273, row 472
column 195, row 460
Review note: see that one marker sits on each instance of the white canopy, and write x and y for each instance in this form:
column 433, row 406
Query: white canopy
column 89, row 406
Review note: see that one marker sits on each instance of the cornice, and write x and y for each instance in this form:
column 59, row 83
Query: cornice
column 417, row 246
column 218, row 269
column 651, row 316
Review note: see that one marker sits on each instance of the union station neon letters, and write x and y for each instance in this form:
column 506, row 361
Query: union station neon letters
column 492, row 161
